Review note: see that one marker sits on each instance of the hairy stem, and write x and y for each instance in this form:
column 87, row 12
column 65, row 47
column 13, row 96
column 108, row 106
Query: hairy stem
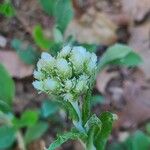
column 20, row 140
column 77, row 124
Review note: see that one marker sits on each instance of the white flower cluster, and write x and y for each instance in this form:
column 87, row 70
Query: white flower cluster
column 68, row 75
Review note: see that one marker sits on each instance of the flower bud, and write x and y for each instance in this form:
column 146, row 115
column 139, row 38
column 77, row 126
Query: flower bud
column 46, row 56
column 91, row 64
column 64, row 52
column 79, row 57
column 38, row 75
column 68, row 97
column 63, row 68
column 46, row 62
column 68, row 85
column 82, row 84
column 38, row 85
column 51, row 85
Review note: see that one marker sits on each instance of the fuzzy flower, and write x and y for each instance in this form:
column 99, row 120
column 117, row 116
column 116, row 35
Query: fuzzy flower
column 64, row 52
column 68, row 75
column 78, row 59
column 38, row 85
column 91, row 64
column 51, row 85
column 46, row 62
column 82, row 84
column 68, row 97
column 38, row 75
column 63, row 68
column 68, row 85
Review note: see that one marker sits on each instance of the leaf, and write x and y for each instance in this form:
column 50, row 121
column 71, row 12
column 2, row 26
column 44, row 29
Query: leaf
column 6, row 118
column 35, row 132
column 48, row 6
column 61, row 10
column 55, row 48
column 15, row 66
column 7, row 86
column 131, row 60
column 28, row 54
column 97, row 99
column 63, row 13
column 4, row 107
column 117, row 51
column 116, row 146
column 148, row 128
column 7, row 136
column 69, row 108
column 7, row 9
column 58, row 37
column 86, row 112
column 29, row 118
column 107, row 120
column 90, row 47
column 40, row 39
column 48, row 108
column 138, row 141
column 65, row 137
column 93, row 127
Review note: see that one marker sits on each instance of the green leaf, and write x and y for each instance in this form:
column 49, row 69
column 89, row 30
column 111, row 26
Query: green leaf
column 61, row 10
column 7, row 86
column 148, row 128
column 6, row 118
column 90, row 47
column 116, row 146
column 7, row 9
column 86, row 106
column 58, row 37
column 69, row 108
column 73, row 135
column 7, row 136
column 115, row 52
column 49, row 108
column 138, row 141
column 131, row 60
column 48, row 6
column 107, row 120
column 93, row 127
column 63, row 13
column 97, row 99
column 27, row 53
column 55, row 48
column 35, row 132
column 28, row 119
column 4, row 106
column 40, row 39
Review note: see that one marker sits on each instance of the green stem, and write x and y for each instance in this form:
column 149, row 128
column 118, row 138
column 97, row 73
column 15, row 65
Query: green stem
column 77, row 124
column 20, row 140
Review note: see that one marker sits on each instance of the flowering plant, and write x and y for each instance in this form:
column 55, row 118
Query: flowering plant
column 70, row 77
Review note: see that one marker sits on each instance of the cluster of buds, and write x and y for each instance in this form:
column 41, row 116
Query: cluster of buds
column 68, row 75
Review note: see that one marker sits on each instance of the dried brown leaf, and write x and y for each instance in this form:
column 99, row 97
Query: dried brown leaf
column 14, row 65
column 103, row 79
column 136, row 9
column 140, row 42
column 93, row 27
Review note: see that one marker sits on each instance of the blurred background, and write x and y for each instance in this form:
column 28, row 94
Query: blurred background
column 29, row 27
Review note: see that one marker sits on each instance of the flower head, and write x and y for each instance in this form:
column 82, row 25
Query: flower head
column 68, row 75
